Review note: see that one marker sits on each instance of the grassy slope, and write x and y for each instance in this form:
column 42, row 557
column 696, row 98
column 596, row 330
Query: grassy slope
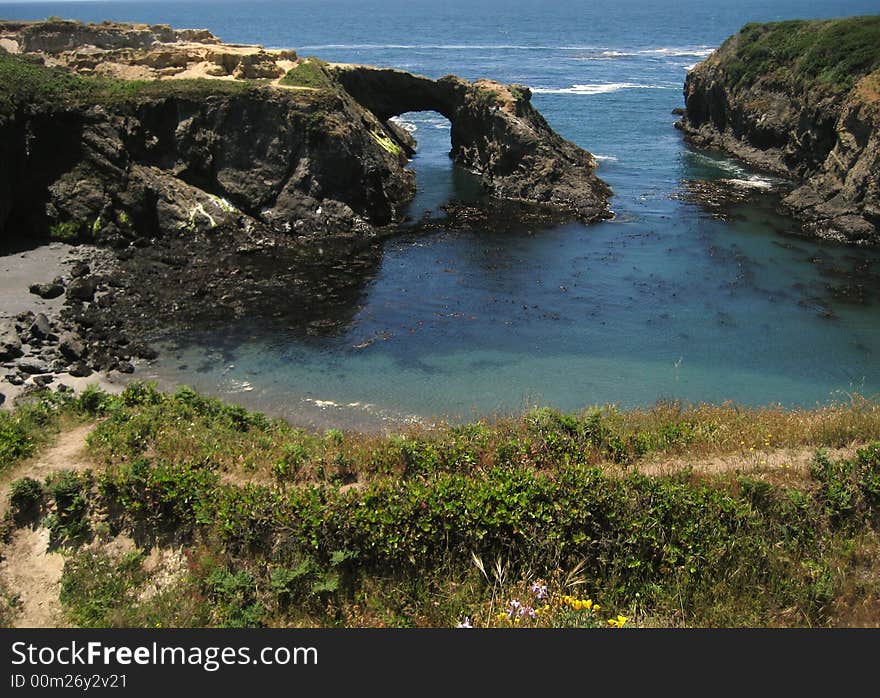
column 32, row 86
column 835, row 53
column 283, row 526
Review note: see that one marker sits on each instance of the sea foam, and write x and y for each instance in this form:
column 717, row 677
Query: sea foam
column 597, row 88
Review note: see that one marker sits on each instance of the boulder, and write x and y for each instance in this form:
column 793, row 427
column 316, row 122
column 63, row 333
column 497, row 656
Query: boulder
column 71, row 347
column 41, row 328
column 80, row 370
column 10, row 344
column 79, row 269
column 33, row 366
column 13, row 379
column 82, row 288
column 47, row 291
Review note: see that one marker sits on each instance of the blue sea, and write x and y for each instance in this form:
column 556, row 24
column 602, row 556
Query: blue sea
column 665, row 302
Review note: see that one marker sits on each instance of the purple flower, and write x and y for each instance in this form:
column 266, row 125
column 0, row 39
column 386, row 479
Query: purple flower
column 539, row 590
column 466, row 623
column 514, row 609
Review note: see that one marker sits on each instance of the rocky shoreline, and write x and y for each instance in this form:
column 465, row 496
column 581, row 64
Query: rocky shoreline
column 800, row 99
column 65, row 345
column 203, row 181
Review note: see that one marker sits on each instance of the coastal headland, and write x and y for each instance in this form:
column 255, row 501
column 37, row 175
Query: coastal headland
column 800, row 99
column 170, row 157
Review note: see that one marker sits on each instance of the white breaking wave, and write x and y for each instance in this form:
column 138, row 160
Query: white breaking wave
column 598, row 88
column 753, row 182
column 605, row 158
column 614, row 54
column 741, row 177
column 407, row 126
column 601, row 52
column 702, row 51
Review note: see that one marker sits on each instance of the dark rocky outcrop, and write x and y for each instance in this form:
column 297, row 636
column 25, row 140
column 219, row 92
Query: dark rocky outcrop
column 800, row 99
column 496, row 133
column 121, row 163
column 212, row 199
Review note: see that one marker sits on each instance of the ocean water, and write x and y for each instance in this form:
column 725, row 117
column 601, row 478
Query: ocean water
column 665, row 302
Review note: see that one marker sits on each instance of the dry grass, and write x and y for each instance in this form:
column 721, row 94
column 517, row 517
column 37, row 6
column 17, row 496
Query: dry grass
column 775, row 444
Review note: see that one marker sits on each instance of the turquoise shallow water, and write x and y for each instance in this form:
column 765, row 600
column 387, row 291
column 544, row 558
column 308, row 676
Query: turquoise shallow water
column 665, row 302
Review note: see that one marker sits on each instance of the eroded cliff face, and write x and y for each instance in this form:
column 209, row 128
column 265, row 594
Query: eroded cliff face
column 106, row 135
column 764, row 97
column 177, row 164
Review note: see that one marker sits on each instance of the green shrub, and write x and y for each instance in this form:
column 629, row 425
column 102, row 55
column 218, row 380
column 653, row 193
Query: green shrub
column 68, row 524
column 16, row 439
column 310, row 72
column 834, row 52
column 25, row 495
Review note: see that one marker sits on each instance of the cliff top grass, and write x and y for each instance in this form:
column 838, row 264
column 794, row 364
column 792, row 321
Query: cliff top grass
column 31, row 85
column 836, row 53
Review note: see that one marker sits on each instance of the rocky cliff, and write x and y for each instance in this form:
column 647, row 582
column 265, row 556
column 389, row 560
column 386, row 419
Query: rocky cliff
column 120, row 133
column 800, row 99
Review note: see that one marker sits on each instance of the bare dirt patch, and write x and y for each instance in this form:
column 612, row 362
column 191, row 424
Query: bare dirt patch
column 28, row 568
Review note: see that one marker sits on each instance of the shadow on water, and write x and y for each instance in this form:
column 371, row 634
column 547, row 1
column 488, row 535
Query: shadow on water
column 823, row 273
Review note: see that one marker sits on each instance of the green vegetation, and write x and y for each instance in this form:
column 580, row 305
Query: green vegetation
column 28, row 427
column 25, row 495
column 487, row 97
column 310, row 72
column 519, row 92
column 385, row 142
column 65, row 232
column 836, row 53
column 94, row 584
column 281, row 526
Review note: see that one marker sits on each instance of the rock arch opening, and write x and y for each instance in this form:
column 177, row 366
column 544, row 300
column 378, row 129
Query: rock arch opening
column 495, row 132
column 439, row 179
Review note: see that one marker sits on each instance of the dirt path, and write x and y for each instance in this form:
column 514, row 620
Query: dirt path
column 27, row 567
column 777, row 462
